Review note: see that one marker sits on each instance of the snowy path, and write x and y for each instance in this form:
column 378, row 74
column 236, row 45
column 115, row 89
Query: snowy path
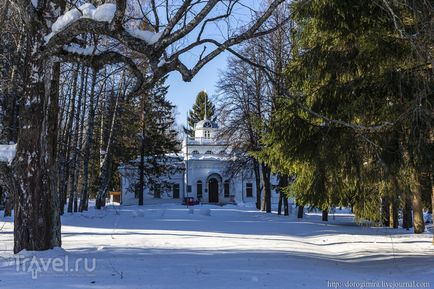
column 167, row 247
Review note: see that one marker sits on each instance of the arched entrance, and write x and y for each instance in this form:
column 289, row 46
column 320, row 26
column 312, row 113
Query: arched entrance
column 213, row 189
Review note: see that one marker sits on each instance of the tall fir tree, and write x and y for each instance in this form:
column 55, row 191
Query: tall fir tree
column 351, row 64
column 203, row 105
column 157, row 138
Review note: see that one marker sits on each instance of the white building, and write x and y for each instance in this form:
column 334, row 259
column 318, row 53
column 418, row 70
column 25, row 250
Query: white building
column 202, row 173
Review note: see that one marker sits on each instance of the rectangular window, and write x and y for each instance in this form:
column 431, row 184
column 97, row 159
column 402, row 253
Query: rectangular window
column 226, row 189
column 249, row 190
column 199, row 190
column 176, row 191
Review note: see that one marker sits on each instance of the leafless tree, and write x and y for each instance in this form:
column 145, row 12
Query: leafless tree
column 178, row 29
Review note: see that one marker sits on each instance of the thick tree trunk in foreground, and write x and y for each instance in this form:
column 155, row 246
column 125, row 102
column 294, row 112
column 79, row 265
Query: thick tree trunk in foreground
column 37, row 218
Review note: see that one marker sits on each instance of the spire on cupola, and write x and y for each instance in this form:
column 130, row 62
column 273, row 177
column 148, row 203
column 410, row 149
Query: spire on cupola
column 206, row 100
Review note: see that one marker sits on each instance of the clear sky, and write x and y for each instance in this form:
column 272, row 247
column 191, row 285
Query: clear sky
column 183, row 94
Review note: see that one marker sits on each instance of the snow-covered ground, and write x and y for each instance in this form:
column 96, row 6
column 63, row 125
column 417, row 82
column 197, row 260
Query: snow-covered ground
column 170, row 246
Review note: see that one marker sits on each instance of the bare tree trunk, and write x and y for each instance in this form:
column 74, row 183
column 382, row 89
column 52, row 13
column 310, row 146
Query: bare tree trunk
column 407, row 220
column 76, row 146
column 385, row 212
column 73, row 132
column 279, row 206
column 286, row 205
column 89, row 142
column 80, row 143
column 266, row 174
column 9, row 203
column 325, row 215
column 37, row 219
column 257, row 183
column 432, row 204
column 104, row 177
column 283, row 183
column 416, row 188
column 394, row 207
column 300, row 212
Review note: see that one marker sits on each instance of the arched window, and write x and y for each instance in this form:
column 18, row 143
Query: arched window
column 195, row 152
column 208, row 152
column 226, row 189
column 199, row 189
column 222, row 152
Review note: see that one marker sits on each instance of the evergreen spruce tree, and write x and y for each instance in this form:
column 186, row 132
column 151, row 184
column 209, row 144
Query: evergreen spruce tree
column 351, row 64
column 157, row 138
column 201, row 106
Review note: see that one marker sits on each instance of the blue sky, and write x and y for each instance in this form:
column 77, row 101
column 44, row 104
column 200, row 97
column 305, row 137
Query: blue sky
column 183, row 94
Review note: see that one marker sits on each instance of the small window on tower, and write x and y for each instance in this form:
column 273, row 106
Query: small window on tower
column 208, row 152
column 195, row 152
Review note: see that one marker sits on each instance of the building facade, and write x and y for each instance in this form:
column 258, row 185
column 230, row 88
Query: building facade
column 201, row 172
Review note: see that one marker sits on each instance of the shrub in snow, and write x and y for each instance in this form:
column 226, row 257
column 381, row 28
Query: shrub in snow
column 205, row 212
column 105, row 12
column 138, row 214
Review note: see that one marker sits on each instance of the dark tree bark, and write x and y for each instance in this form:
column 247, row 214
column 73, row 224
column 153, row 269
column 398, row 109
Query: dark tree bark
column 283, row 198
column 407, row 219
column 72, row 202
column 34, row 163
column 143, row 140
column 266, row 175
column 89, row 142
column 416, row 188
column 71, row 161
column 300, row 212
column 385, row 212
column 257, row 171
column 286, row 205
column 432, row 203
column 104, row 176
column 394, row 207
column 325, row 215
